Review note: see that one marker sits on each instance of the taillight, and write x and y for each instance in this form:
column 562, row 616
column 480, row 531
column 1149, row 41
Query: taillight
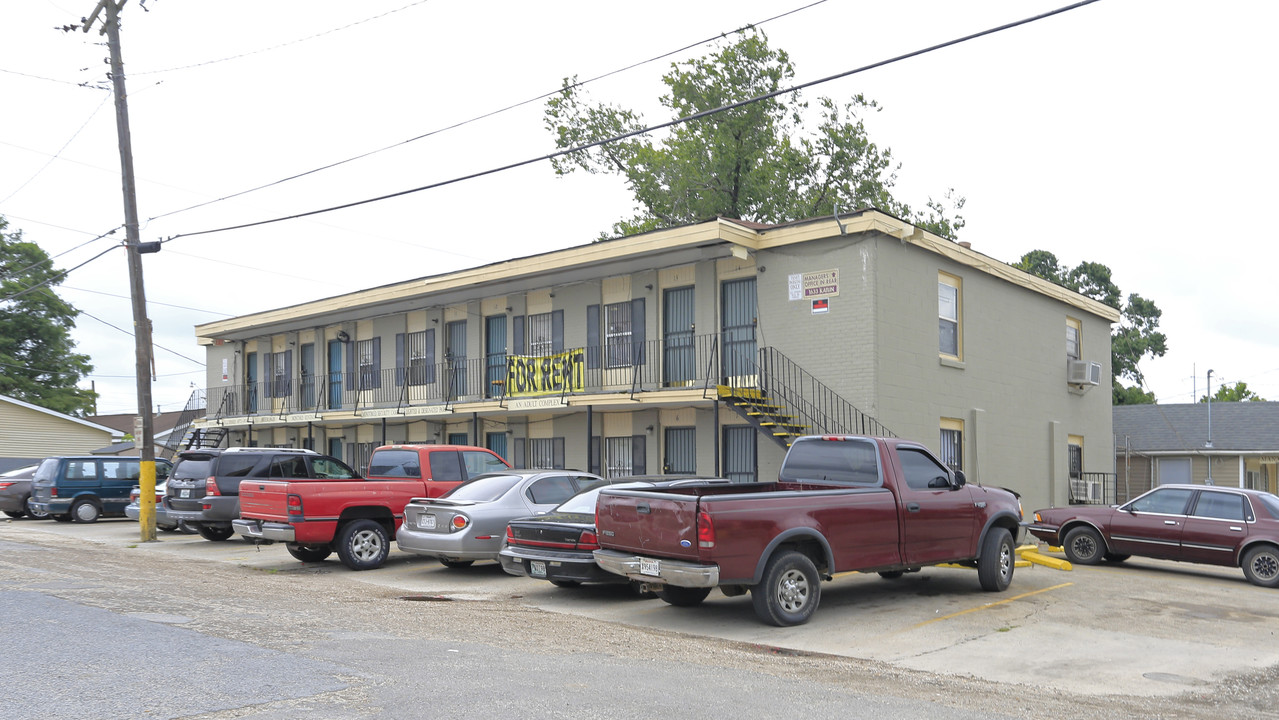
column 53, row 491
column 4, row 485
column 588, row 540
column 211, row 486
column 460, row 522
column 510, row 534
column 134, row 495
column 294, row 504
column 705, row 530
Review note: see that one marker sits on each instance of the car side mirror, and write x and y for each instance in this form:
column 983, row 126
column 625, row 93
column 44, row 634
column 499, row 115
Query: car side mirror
column 960, row 479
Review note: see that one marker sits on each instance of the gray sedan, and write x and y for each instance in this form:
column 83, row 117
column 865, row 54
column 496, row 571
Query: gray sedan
column 469, row 522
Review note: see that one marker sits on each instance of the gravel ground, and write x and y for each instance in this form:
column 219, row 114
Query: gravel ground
column 307, row 607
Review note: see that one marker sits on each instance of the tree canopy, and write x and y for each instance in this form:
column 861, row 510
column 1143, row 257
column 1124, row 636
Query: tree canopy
column 758, row 161
column 1233, row 392
column 1137, row 335
column 37, row 359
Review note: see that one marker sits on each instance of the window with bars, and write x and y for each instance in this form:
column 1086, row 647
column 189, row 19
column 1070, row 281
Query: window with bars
column 618, row 334
column 416, row 358
column 546, row 453
column 617, row 457
column 366, row 362
column 358, row 455
column 952, row 443
column 541, row 335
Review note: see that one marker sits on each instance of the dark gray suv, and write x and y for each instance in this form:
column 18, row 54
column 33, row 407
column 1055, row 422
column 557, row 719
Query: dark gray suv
column 204, row 488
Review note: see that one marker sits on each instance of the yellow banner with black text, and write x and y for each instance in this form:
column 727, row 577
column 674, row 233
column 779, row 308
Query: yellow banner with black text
column 545, row 375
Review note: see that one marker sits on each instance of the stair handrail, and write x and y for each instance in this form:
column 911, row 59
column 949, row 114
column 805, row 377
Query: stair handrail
column 812, row 403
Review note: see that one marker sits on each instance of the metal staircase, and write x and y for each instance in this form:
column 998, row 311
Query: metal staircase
column 785, row 401
column 184, row 436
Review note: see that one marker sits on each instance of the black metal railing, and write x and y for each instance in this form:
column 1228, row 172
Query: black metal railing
column 196, row 407
column 809, row 400
column 1093, row 488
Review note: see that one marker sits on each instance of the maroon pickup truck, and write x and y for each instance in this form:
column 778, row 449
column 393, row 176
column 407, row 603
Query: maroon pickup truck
column 355, row 516
column 840, row 503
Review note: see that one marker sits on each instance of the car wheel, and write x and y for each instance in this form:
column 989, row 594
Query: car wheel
column 1084, row 545
column 85, row 511
column 891, row 574
column 215, row 533
column 789, row 591
column 456, row 563
column 1115, row 557
column 35, row 514
column 362, row 544
column 682, row 596
column 309, row 553
column 14, row 515
column 566, row 583
column 1261, row 566
column 998, row 560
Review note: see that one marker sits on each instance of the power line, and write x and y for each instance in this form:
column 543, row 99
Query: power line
column 651, row 128
column 153, row 344
column 55, row 156
column 489, row 114
column 282, row 45
column 64, row 252
column 64, row 273
column 89, row 375
column 149, row 302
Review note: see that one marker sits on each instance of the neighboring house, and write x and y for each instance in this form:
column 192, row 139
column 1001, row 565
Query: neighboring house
column 162, row 424
column 698, row 349
column 1235, row 444
column 30, row 433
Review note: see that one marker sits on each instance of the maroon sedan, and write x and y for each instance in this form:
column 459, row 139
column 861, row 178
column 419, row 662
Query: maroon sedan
column 1190, row 523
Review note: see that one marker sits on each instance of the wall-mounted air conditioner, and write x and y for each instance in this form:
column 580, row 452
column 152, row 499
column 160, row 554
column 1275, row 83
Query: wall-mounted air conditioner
column 1081, row 372
column 1094, row 491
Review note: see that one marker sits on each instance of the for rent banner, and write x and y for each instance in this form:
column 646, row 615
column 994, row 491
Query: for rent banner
column 545, row 375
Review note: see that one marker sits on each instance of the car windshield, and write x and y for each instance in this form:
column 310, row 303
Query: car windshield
column 584, row 502
column 486, row 488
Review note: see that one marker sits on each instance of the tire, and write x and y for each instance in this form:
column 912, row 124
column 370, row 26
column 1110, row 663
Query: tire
column 14, row 515
column 61, row 518
column 683, row 596
column 85, row 511
column 1084, row 546
column 1261, row 566
column 35, row 514
column 566, row 583
column 997, row 562
column 790, row 590
column 362, row 544
column 455, row 564
column 1115, row 557
column 214, row 534
column 891, row 574
column 308, row 553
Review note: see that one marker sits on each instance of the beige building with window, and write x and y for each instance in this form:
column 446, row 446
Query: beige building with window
column 698, row 349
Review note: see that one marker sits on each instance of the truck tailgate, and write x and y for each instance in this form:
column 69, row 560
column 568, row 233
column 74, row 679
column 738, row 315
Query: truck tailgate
column 264, row 500
column 648, row 523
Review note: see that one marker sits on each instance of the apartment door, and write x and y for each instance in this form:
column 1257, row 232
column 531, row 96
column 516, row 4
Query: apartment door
column 251, row 382
column 741, row 463
column 678, row 353
column 455, row 356
column 495, row 355
column 737, row 323
column 335, row 375
column 679, row 454
column 306, row 368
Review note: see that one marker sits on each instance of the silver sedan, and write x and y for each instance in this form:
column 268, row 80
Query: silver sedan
column 469, row 522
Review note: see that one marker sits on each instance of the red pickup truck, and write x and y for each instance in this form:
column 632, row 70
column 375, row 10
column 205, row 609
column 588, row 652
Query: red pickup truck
column 355, row 516
column 840, row 503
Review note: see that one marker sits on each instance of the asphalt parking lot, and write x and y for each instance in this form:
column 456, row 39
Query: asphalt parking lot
column 1143, row 628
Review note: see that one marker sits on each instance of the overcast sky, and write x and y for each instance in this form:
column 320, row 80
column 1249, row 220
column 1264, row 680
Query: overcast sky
column 1137, row 134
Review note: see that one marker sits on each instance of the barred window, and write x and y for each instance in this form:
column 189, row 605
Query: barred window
column 540, row 340
column 952, row 443
column 415, row 349
column 364, row 359
column 617, row 335
column 546, row 453
column 617, row 457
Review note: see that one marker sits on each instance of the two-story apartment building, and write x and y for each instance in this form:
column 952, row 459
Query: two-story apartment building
column 697, row 349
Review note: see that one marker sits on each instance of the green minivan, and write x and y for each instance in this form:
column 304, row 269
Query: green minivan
column 84, row 488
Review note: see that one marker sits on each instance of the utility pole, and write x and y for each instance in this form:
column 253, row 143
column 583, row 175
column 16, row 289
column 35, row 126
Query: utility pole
column 144, row 435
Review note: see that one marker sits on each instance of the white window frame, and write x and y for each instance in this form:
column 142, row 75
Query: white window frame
column 950, row 310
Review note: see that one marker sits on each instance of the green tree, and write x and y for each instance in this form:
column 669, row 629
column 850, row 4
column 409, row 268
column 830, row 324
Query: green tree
column 755, row 162
column 1137, row 334
column 37, row 362
column 1234, row 392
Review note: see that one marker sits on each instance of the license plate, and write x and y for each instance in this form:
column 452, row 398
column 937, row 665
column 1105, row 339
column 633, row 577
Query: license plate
column 536, row 568
column 649, row 566
column 426, row 522
column 184, row 493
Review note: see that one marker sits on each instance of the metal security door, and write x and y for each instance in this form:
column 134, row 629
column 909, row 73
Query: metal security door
column 306, row 367
column 455, row 356
column 740, row 461
column 495, row 354
column 251, row 382
column 335, row 374
column 678, row 356
column 738, row 328
column 680, row 453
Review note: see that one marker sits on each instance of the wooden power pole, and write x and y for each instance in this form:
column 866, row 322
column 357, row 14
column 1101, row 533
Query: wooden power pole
column 144, row 431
